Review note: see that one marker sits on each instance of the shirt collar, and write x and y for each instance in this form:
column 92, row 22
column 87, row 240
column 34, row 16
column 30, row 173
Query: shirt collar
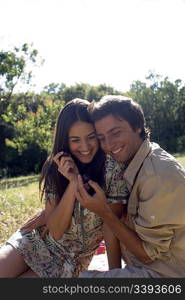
column 135, row 164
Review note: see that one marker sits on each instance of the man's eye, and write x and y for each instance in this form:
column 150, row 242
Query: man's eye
column 117, row 133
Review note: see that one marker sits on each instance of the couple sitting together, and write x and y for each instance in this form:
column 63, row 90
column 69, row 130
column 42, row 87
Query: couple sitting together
column 104, row 180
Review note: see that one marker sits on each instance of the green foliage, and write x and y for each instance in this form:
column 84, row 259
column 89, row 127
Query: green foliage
column 56, row 91
column 27, row 119
column 36, row 126
column 31, row 143
column 13, row 69
column 96, row 93
column 163, row 103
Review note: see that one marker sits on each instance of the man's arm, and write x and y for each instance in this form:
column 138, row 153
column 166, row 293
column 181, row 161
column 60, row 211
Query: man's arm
column 113, row 248
column 98, row 205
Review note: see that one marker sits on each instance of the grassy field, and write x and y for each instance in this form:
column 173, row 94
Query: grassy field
column 180, row 158
column 19, row 199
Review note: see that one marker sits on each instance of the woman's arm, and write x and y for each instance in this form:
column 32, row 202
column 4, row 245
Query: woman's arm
column 58, row 217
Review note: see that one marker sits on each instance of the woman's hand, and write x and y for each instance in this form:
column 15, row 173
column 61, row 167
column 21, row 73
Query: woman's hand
column 66, row 166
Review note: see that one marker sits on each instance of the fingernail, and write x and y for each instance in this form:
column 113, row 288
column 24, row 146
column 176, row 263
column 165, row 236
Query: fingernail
column 80, row 179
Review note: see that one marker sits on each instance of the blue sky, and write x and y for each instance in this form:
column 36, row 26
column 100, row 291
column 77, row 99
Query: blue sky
column 98, row 41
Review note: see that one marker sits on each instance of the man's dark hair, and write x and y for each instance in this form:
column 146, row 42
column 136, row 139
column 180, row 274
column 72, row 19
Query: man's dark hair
column 121, row 107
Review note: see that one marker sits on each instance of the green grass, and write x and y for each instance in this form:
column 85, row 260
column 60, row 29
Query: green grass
column 19, row 200
column 180, row 158
column 18, row 181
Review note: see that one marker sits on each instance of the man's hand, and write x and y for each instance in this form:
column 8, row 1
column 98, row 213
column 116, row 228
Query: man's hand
column 96, row 203
column 35, row 222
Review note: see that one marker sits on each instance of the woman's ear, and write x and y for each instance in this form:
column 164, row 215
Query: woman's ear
column 139, row 130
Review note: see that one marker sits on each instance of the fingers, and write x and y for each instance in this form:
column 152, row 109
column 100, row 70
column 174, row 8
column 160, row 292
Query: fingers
column 25, row 225
column 27, row 229
column 28, row 223
column 57, row 157
column 34, row 222
column 67, row 169
column 64, row 163
column 95, row 186
column 81, row 188
column 44, row 232
column 68, row 165
column 81, row 193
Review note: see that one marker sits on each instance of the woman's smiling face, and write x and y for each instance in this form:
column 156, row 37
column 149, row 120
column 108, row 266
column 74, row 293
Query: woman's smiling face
column 83, row 143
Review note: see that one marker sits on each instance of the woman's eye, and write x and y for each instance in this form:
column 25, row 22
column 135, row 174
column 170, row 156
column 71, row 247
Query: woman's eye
column 75, row 141
column 92, row 137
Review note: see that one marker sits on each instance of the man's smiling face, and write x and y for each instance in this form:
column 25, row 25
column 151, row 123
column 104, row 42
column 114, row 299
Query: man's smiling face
column 117, row 138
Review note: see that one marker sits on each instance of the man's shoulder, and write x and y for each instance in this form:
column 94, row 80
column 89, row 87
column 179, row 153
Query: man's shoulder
column 160, row 161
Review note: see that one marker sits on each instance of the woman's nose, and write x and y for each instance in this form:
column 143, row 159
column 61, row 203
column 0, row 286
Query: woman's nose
column 84, row 146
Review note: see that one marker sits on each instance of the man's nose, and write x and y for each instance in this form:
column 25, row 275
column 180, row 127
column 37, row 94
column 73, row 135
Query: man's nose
column 108, row 145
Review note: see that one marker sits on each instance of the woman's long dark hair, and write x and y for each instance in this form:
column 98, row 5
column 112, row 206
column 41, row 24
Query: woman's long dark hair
column 53, row 181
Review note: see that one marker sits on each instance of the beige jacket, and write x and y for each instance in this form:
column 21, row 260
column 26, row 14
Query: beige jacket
column 156, row 209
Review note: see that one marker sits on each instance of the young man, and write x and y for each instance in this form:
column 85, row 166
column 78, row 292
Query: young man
column 152, row 235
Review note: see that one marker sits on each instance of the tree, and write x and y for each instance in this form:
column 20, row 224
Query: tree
column 33, row 138
column 163, row 103
column 54, row 91
column 96, row 92
column 13, row 69
column 76, row 91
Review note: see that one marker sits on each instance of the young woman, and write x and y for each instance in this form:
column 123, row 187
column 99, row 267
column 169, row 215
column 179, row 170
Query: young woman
column 65, row 245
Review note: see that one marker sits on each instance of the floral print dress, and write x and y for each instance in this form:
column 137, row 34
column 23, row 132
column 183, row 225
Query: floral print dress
column 72, row 254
